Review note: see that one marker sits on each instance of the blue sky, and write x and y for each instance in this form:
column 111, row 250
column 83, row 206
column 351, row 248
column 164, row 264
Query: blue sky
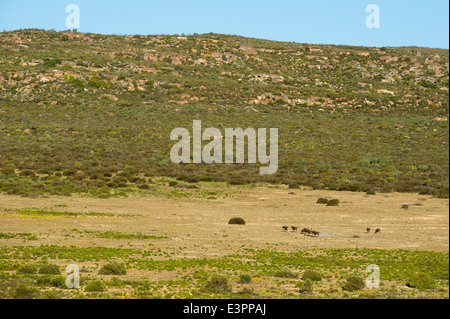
column 402, row 22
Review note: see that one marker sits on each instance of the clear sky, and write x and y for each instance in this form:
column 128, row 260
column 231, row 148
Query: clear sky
column 402, row 22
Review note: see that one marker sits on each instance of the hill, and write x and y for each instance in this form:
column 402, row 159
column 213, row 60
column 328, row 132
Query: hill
column 82, row 112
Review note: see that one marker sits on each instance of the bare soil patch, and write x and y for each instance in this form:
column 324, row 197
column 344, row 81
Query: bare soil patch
column 201, row 226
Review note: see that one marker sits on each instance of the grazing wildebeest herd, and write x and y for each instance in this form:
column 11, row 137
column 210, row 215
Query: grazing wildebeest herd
column 304, row 231
column 376, row 230
column 314, row 233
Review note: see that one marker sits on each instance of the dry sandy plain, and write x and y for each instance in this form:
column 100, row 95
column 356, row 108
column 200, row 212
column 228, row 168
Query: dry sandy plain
column 200, row 226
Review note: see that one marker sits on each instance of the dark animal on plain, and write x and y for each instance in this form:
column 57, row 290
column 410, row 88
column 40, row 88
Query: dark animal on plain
column 306, row 231
column 294, row 228
column 315, row 233
column 368, row 230
column 377, row 230
column 285, row 228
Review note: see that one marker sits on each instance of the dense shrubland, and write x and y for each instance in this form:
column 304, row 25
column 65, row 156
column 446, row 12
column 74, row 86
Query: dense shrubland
column 92, row 113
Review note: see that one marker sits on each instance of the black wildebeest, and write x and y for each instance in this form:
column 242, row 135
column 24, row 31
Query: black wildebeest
column 368, row 230
column 294, row 228
column 285, row 228
column 306, row 231
column 377, row 230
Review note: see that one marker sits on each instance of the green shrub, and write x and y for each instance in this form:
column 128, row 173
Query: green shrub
column 237, row 181
column 236, row 221
column 58, row 281
column 421, row 281
column 354, row 283
column 333, row 202
column 405, row 206
column 245, row 279
column 27, row 172
column 113, row 269
column 285, row 273
column 182, row 177
column 50, row 270
column 312, row 275
column 78, row 83
column 97, row 82
column 50, row 295
column 95, row 286
column 24, row 291
column 116, row 282
column 173, row 183
column 44, row 281
column 70, row 172
column 51, row 63
column 322, row 201
column 8, row 170
column 28, row 269
column 217, row 284
column 305, row 286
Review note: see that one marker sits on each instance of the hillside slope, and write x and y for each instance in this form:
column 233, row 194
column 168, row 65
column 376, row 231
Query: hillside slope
column 87, row 112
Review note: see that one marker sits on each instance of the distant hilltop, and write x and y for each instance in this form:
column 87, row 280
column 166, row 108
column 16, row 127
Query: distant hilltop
column 229, row 71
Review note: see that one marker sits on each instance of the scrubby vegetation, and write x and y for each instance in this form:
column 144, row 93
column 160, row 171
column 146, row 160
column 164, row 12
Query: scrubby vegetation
column 312, row 275
column 245, row 279
column 217, row 284
column 354, row 283
column 89, row 113
column 333, row 202
column 326, row 273
column 113, row 269
column 306, row 286
column 95, row 286
column 50, row 270
column 421, row 281
column 322, row 201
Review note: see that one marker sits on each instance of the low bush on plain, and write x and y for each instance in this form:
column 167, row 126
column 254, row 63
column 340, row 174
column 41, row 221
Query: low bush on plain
column 95, row 286
column 28, row 269
column 113, row 269
column 245, row 279
column 50, row 270
column 24, row 291
column 312, row 275
column 354, row 283
column 217, row 284
column 236, row 221
column 333, row 202
column 285, row 273
column 421, row 281
column 305, row 286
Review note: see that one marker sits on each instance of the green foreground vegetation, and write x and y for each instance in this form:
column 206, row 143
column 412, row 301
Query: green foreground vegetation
column 31, row 272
